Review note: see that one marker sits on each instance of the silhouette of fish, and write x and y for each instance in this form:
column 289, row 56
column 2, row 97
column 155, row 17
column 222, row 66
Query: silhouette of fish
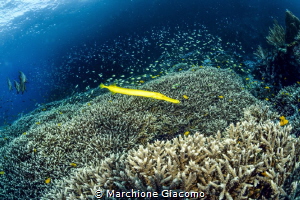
column 17, row 86
column 23, row 80
column 9, row 84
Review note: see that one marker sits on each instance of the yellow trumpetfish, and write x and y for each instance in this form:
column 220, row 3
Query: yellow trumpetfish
column 142, row 93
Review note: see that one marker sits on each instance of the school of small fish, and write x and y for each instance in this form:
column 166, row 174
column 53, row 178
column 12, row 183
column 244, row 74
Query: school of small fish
column 135, row 59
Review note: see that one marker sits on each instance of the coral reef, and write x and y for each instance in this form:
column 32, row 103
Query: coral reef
column 57, row 111
column 261, row 54
column 252, row 160
column 73, row 134
column 279, row 66
column 60, row 111
column 292, row 26
column 298, row 36
column 287, row 102
column 296, row 49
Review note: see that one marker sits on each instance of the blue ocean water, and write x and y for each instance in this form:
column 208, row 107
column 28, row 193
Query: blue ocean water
column 64, row 47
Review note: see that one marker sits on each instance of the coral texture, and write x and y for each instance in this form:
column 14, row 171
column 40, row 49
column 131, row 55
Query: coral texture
column 287, row 102
column 84, row 133
column 252, row 160
column 292, row 26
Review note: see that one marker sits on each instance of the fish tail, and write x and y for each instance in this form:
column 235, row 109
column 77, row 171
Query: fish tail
column 171, row 100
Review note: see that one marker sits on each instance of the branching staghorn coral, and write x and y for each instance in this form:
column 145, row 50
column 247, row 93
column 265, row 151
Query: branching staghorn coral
column 252, row 160
column 84, row 132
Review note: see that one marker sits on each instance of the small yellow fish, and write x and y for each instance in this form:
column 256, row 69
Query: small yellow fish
column 73, row 164
column 2, row 172
column 47, row 180
column 283, row 121
column 186, row 97
column 186, row 133
column 265, row 174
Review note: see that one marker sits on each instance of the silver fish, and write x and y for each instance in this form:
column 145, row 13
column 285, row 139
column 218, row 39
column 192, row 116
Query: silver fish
column 23, row 80
column 17, row 86
column 22, row 87
column 9, row 84
column 22, row 77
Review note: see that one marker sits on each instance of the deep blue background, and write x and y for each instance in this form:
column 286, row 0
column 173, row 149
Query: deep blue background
column 37, row 41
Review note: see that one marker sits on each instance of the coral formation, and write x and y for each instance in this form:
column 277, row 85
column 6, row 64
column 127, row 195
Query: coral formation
column 296, row 49
column 60, row 111
column 298, row 36
column 280, row 66
column 276, row 35
column 292, row 26
column 287, row 102
column 84, row 133
column 261, row 54
column 252, row 160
